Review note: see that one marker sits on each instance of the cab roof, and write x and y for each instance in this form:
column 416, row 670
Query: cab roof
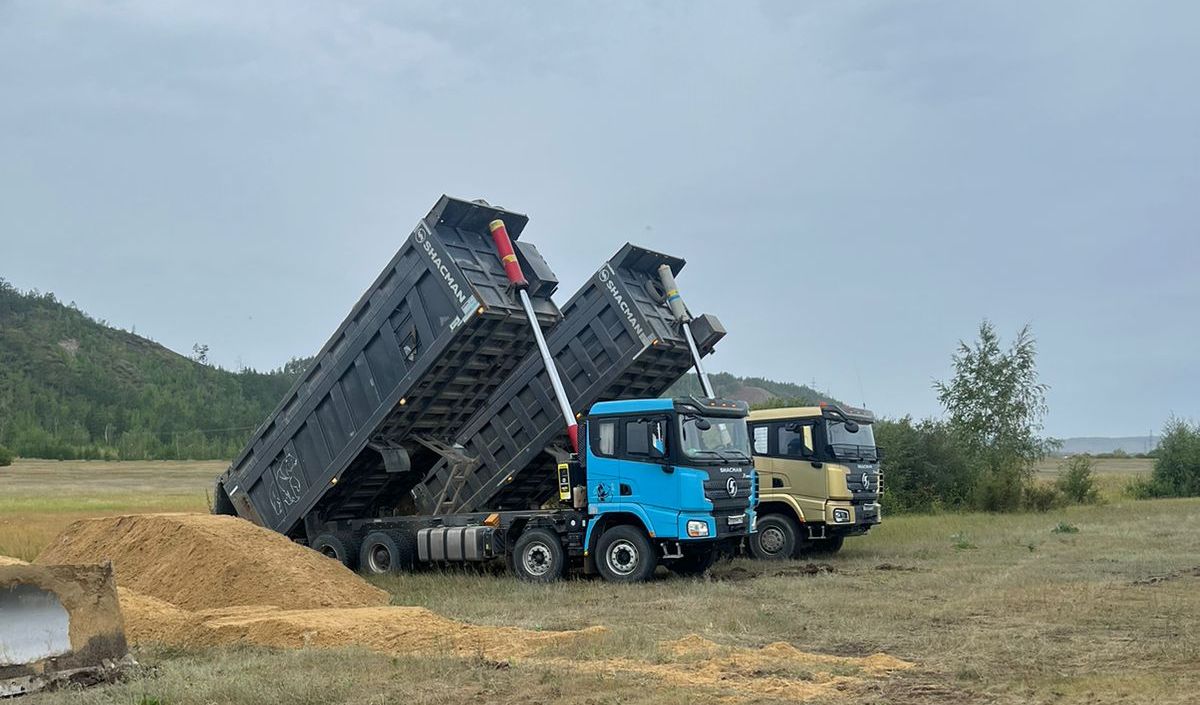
column 810, row 412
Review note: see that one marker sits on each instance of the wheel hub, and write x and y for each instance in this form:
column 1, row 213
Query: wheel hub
column 381, row 559
column 771, row 540
column 537, row 559
column 623, row 557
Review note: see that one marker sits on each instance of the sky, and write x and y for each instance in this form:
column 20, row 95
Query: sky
column 854, row 185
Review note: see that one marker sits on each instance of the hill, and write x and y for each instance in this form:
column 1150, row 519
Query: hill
column 1095, row 445
column 73, row 387
column 757, row 391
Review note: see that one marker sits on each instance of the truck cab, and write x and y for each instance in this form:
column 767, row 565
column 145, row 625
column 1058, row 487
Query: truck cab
column 668, row 480
column 819, row 477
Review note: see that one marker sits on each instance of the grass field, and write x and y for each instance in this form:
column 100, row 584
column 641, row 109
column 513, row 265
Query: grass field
column 1097, row 604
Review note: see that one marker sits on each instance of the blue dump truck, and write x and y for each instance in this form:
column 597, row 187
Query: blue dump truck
column 440, row 425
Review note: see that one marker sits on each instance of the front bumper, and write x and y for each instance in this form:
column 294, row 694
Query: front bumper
column 851, row 515
column 721, row 526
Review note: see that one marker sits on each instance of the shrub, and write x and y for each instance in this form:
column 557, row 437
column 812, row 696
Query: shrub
column 1177, row 466
column 1065, row 528
column 1075, row 480
column 6, row 457
column 1041, row 497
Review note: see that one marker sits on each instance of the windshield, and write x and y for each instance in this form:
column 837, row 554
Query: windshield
column 851, row 446
column 725, row 439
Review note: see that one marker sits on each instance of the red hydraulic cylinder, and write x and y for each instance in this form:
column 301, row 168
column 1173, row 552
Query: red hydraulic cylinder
column 512, row 268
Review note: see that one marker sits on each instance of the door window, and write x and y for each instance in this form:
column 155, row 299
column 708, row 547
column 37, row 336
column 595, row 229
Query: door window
column 760, row 440
column 646, row 438
column 604, row 440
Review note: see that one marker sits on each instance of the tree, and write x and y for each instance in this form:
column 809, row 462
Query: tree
column 1076, row 481
column 1177, row 467
column 995, row 405
column 200, row 353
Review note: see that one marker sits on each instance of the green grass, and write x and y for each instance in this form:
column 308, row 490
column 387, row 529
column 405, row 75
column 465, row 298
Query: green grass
column 1109, row 613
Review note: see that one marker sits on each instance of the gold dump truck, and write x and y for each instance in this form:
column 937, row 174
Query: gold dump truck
column 819, row 478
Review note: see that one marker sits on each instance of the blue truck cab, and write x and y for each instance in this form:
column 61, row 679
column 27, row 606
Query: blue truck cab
column 668, row 481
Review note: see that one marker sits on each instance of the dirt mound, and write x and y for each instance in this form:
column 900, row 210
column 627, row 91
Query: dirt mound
column 775, row 670
column 201, row 561
column 5, row 560
column 395, row 630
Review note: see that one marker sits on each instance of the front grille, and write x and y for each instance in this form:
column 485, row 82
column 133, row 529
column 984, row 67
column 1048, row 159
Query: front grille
column 717, row 492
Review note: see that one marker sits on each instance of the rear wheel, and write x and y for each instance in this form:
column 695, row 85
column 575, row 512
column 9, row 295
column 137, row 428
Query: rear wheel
column 776, row 539
column 696, row 563
column 386, row 552
column 538, row 557
column 624, row 555
column 334, row 547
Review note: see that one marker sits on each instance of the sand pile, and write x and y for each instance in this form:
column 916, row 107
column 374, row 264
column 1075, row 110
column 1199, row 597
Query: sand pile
column 737, row 674
column 201, row 561
column 395, row 630
column 5, row 560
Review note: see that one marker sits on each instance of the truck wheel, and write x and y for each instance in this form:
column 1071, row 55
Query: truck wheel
column 624, row 555
column 333, row 546
column 380, row 554
column 696, row 563
column 825, row 547
column 776, row 538
column 538, row 557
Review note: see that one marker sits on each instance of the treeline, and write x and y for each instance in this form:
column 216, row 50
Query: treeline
column 72, row 387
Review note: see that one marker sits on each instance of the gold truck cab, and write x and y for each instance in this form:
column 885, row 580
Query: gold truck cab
column 819, row 478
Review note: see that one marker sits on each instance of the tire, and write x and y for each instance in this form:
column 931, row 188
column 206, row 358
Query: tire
column 624, row 555
column 538, row 557
column 382, row 553
column 777, row 538
column 825, row 547
column 696, row 563
column 334, row 547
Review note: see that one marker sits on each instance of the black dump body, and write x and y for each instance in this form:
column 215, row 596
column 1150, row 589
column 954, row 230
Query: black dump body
column 616, row 341
column 421, row 351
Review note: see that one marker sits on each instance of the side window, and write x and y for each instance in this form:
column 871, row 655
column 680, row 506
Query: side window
column 604, row 437
column 791, row 443
column 646, row 438
column 760, row 440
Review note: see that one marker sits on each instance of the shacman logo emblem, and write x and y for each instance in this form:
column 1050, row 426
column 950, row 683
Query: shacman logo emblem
column 866, row 480
column 731, row 486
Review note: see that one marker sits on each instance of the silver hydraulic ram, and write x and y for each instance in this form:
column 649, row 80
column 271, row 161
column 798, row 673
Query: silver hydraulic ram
column 512, row 269
column 680, row 312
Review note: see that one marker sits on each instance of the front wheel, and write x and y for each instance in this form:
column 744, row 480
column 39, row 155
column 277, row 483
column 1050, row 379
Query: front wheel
column 624, row 555
column 538, row 557
column 776, row 539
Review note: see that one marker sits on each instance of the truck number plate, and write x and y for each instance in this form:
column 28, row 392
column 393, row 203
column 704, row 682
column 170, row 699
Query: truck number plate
column 737, row 520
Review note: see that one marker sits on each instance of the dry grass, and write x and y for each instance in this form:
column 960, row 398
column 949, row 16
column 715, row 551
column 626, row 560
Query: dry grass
column 39, row 498
column 1110, row 614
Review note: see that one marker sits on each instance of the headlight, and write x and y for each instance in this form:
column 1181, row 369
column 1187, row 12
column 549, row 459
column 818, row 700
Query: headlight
column 841, row 516
column 697, row 529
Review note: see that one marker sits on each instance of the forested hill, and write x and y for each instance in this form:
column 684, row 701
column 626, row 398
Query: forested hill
column 73, row 387
column 756, row 390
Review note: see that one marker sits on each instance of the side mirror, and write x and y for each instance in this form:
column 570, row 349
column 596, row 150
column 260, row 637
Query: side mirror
column 851, row 427
column 703, row 424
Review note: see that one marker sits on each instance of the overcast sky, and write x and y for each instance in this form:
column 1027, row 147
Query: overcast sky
column 854, row 185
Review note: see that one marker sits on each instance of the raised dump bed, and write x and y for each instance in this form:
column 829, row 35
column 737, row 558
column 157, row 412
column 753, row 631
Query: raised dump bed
column 421, row 351
column 617, row 340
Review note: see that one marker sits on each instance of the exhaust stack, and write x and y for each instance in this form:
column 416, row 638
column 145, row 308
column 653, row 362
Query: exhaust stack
column 681, row 314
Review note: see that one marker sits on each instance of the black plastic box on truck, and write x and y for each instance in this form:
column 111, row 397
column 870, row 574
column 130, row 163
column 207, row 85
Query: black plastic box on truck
column 617, row 340
column 421, row 351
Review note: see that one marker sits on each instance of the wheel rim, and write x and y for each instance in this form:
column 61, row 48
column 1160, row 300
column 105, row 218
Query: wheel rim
column 328, row 551
column 623, row 557
column 380, row 559
column 538, row 560
column 771, row 540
